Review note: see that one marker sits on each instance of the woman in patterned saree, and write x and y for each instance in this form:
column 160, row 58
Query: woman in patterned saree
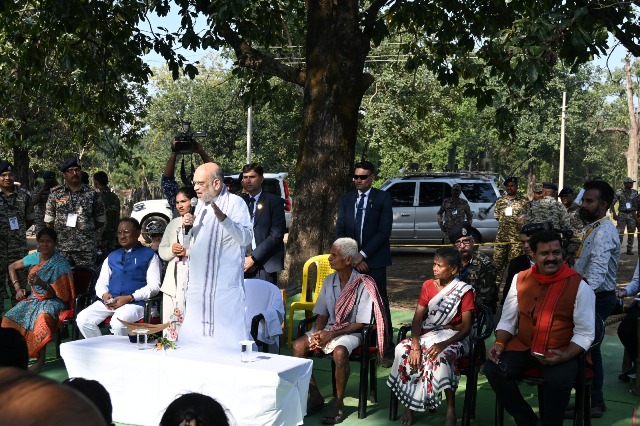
column 425, row 364
column 52, row 291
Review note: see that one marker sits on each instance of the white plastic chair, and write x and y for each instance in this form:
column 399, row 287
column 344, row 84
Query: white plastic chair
column 264, row 314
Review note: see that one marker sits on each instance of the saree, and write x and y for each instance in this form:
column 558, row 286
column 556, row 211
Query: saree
column 421, row 389
column 39, row 316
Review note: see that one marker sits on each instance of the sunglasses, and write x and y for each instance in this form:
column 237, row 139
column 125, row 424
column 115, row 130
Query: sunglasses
column 361, row 177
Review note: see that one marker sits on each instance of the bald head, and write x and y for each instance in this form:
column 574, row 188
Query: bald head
column 208, row 181
column 29, row 399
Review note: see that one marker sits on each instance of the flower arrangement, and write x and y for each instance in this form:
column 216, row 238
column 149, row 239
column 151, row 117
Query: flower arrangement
column 163, row 344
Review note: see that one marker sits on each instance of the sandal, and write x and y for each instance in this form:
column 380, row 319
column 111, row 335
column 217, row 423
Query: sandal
column 314, row 407
column 333, row 415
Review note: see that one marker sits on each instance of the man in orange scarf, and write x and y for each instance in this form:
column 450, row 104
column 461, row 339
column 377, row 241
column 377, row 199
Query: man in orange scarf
column 548, row 320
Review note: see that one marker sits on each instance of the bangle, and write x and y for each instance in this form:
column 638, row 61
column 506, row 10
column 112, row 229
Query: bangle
column 499, row 342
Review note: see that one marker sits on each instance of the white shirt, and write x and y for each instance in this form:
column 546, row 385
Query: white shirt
column 153, row 280
column 584, row 314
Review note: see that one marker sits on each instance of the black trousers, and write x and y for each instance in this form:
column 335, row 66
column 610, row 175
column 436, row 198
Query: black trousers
column 379, row 275
column 628, row 331
column 260, row 274
column 558, row 380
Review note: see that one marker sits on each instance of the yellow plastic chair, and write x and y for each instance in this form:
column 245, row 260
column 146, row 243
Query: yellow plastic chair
column 322, row 270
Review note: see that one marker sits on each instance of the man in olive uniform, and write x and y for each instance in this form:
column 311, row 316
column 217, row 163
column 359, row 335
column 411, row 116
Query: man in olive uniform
column 509, row 211
column 627, row 216
column 453, row 211
column 77, row 214
column 567, row 197
column 16, row 216
column 39, row 198
column 477, row 268
column 108, row 240
column 548, row 209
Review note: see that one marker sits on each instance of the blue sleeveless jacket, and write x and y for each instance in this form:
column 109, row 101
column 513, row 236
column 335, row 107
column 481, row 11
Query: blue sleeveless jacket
column 129, row 270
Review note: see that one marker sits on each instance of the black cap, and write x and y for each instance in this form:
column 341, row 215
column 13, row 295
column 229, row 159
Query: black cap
column 550, row 185
column 71, row 162
column 566, row 191
column 5, row 166
column 511, row 179
column 460, row 230
column 48, row 175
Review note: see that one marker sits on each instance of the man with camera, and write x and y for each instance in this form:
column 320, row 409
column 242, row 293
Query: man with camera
column 168, row 181
column 40, row 196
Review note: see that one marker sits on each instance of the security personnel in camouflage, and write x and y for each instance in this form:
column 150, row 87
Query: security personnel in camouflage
column 77, row 214
column 627, row 216
column 548, row 209
column 509, row 211
column 39, row 198
column 477, row 268
column 108, row 240
column 16, row 216
column 567, row 197
column 453, row 211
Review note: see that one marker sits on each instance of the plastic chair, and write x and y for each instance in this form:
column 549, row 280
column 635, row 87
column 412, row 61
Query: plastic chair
column 264, row 313
column 582, row 384
column 83, row 281
column 365, row 354
column 323, row 269
column 468, row 365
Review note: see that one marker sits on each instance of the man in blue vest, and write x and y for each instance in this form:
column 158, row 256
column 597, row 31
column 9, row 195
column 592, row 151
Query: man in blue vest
column 129, row 276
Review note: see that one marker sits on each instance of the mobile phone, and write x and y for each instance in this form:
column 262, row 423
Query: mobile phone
column 110, row 301
column 539, row 354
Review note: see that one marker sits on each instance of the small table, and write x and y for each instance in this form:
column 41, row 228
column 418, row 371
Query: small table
column 270, row 390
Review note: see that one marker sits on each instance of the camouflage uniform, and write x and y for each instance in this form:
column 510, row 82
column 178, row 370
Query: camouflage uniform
column 627, row 204
column 577, row 226
column 77, row 244
column 40, row 208
column 548, row 209
column 507, row 244
column 453, row 213
column 13, row 243
column 109, row 239
column 480, row 272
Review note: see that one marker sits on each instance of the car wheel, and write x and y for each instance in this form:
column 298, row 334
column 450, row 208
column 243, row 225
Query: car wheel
column 148, row 221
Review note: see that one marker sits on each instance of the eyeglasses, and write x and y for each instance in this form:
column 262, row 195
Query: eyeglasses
column 465, row 242
column 74, row 171
column 199, row 183
column 361, row 177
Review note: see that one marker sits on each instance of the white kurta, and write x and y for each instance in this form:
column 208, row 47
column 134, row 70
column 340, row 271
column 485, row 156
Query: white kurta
column 214, row 310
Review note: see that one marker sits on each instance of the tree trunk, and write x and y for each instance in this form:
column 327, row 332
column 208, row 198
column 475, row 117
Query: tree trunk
column 21, row 167
column 634, row 137
column 334, row 86
column 531, row 177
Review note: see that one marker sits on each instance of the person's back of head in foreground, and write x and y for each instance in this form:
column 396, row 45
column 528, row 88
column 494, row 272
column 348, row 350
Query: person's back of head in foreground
column 194, row 409
column 95, row 392
column 13, row 349
column 29, row 399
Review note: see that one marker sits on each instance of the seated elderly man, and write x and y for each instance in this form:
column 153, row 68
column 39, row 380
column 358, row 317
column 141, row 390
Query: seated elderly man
column 553, row 310
column 129, row 276
column 343, row 307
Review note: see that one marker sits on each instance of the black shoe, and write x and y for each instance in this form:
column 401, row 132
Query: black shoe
column 630, row 252
column 627, row 375
column 596, row 412
column 387, row 360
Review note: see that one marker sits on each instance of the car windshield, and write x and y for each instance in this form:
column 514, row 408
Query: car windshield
column 478, row 192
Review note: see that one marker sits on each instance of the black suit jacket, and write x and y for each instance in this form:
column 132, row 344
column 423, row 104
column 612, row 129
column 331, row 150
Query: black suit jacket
column 376, row 228
column 268, row 230
column 517, row 264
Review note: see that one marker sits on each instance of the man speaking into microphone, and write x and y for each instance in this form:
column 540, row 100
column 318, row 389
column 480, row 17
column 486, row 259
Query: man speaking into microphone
column 214, row 300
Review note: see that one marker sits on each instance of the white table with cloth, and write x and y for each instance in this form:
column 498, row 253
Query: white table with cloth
column 271, row 390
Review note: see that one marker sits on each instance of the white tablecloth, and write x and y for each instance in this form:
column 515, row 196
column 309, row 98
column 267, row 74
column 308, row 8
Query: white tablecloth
column 271, row 390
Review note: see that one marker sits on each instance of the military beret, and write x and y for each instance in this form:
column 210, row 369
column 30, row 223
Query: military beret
column 5, row 166
column 550, row 185
column 71, row 162
column 460, row 230
column 48, row 175
column 566, row 191
column 628, row 180
column 537, row 187
column 456, row 186
column 155, row 227
column 511, row 179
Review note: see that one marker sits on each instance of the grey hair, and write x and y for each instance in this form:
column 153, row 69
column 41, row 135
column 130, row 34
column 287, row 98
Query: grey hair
column 347, row 246
column 217, row 173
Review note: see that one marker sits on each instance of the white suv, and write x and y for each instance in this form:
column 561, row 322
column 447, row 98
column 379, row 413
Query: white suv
column 149, row 211
column 417, row 197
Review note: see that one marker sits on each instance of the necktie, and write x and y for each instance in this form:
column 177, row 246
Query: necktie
column 358, row 222
column 252, row 203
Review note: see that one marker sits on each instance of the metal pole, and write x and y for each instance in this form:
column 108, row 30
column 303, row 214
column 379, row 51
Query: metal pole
column 249, row 125
column 561, row 168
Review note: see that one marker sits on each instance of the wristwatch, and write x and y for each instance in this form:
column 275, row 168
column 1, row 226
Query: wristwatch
column 133, row 299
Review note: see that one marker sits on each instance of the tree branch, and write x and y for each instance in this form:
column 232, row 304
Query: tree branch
column 613, row 129
column 251, row 58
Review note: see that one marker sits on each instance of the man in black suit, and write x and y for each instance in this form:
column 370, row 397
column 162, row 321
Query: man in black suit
column 265, row 256
column 519, row 263
column 366, row 216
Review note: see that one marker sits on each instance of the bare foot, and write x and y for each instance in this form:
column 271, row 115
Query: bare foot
column 451, row 420
column 37, row 366
column 407, row 417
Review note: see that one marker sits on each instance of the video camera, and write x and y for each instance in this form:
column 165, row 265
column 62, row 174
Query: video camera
column 532, row 228
column 185, row 142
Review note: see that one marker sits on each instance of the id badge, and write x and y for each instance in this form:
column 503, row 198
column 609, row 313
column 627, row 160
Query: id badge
column 13, row 223
column 72, row 219
column 508, row 211
column 628, row 205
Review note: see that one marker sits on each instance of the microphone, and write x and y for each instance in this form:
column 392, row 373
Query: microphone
column 194, row 203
